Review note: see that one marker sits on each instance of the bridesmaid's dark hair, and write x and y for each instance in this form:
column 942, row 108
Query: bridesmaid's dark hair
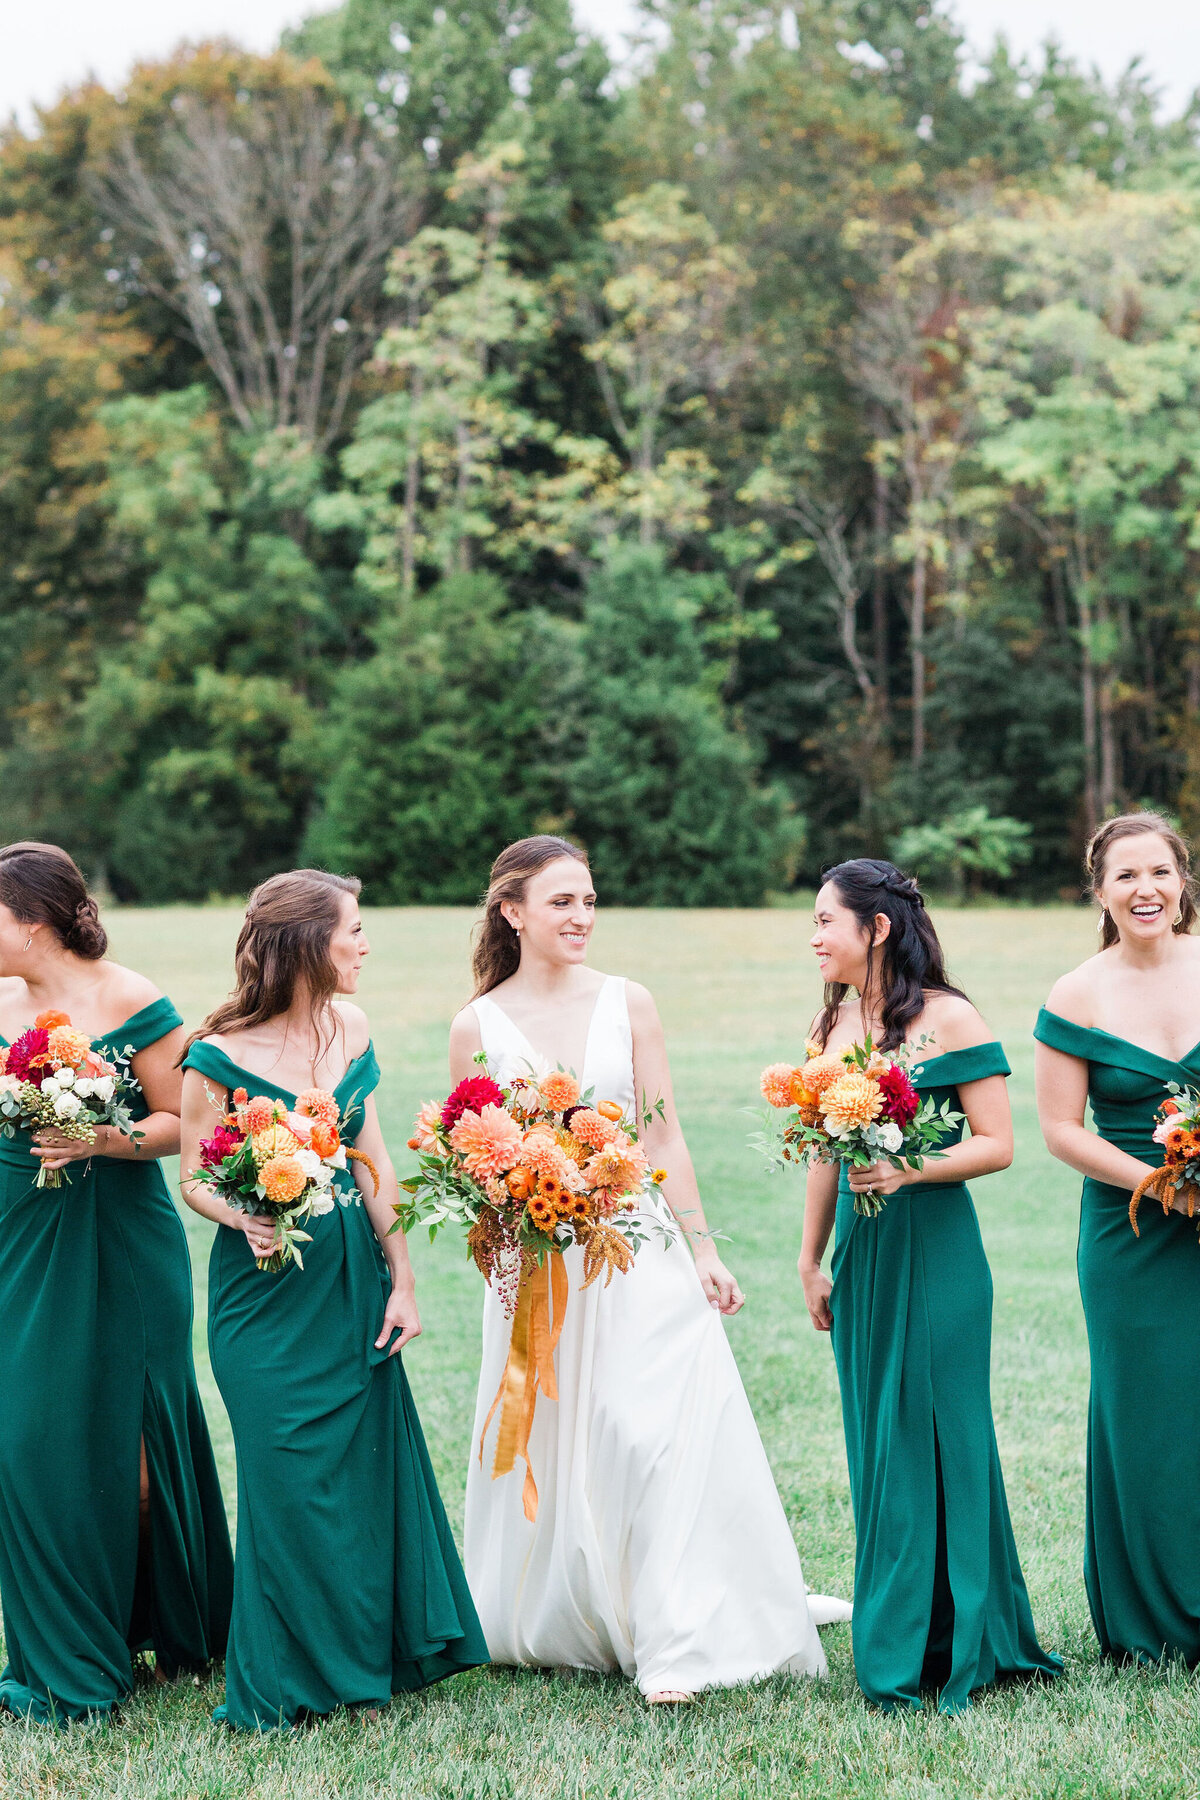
column 1140, row 824
column 283, row 945
column 497, row 949
column 41, row 885
column 913, row 964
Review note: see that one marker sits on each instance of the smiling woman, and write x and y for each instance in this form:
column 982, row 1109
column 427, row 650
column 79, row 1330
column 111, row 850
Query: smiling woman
column 1115, row 1032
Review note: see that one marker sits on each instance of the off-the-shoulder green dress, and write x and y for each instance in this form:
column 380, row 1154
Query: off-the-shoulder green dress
column 1141, row 1301
column 939, row 1598
column 96, row 1357
column 347, row 1586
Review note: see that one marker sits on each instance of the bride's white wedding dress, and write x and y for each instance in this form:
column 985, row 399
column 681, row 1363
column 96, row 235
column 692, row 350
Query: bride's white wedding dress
column 660, row 1546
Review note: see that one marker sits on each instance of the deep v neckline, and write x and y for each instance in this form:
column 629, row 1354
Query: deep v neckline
column 538, row 1056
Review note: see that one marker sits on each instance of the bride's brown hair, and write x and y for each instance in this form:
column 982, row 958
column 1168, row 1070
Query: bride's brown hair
column 497, row 949
column 284, row 945
column 1140, row 824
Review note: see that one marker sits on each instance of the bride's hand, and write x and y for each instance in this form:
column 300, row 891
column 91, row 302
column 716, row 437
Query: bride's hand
column 720, row 1289
column 879, row 1178
column 817, row 1289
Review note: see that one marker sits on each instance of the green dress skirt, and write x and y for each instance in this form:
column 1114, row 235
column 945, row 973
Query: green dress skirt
column 939, row 1599
column 96, row 1358
column 347, row 1586
column 1141, row 1301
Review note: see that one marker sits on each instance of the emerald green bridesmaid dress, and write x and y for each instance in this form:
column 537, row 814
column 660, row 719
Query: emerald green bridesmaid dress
column 939, row 1599
column 347, row 1587
column 1141, row 1301
column 95, row 1358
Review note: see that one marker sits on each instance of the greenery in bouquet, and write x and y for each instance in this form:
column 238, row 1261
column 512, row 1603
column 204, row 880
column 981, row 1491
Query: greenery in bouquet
column 1177, row 1129
column 856, row 1106
column 526, row 1170
column 53, row 1079
column 278, row 1162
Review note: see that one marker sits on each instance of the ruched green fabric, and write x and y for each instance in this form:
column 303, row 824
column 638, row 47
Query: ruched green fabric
column 348, row 1587
column 95, row 1355
column 1141, row 1301
column 939, row 1599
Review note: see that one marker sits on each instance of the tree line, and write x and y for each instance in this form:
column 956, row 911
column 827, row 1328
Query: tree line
column 784, row 446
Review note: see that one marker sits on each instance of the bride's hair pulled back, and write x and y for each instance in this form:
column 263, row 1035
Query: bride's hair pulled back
column 911, row 963
column 1140, row 824
column 497, row 948
column 282, row 948
column 41, row 885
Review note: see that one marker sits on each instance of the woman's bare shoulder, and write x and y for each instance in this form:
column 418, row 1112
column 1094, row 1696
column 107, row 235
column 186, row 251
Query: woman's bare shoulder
column 954, row 1023
column 1073, row 995
column 126, row 988
column 355, row 1025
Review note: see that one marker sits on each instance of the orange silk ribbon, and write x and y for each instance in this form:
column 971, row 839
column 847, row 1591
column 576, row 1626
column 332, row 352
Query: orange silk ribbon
column 536, row 1328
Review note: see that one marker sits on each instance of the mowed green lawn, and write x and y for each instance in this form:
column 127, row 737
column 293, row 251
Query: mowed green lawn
column 736, row 990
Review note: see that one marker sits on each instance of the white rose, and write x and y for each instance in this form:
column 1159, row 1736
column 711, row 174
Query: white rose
column 891, row 1137
column 322, row 1204
column 67, row 1106
column 338, row 1159
column 85, row 1087
column 104, row 1088
column 310, row 1162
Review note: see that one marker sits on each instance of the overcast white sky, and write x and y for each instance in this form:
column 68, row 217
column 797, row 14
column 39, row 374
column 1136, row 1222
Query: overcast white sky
column 49, row 44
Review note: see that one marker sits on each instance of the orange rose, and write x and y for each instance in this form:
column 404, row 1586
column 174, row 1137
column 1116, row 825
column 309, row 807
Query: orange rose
column 325, row 1139
column 519, row 1184
column 50, row 1021
column 608, row 1109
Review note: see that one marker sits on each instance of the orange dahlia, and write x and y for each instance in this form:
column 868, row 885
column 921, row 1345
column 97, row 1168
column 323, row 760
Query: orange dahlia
column 240, row 1096
column 258, row 1113
column 542, row 1154
column 818, row 1072
column 592, row 1128
column 283, row 1179
column 67, row 1046
column 559, row 1090
column 489, row 1142
column 851, row 1100
column 619, row 1166
column 776, row 1084
column 317, row 1103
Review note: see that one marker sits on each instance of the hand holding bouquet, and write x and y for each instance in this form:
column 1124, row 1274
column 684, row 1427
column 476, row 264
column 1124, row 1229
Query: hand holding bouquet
column 1177, row 1129
column 527, row 1169
column 859, row 1107
column 273, row 1161
column 51, row 1079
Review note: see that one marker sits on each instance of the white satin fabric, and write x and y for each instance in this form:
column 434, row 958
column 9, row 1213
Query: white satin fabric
column 660, row 1546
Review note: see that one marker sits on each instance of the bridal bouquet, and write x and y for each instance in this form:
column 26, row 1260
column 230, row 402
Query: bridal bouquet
column 51, row 1079
column 527, row 1169
column 1177, row 1129
column 857, row 1107
column 278, row 1162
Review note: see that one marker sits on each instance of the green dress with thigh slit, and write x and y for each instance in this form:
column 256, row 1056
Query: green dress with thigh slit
column 1141, row 1301
column 348, row 1587
column 96, row 1358
column 939, row 1598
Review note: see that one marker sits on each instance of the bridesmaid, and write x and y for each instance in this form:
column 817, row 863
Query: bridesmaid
column 347, row 1585
column 112, row 1529
column 1114, row 1032
column 939, row 1599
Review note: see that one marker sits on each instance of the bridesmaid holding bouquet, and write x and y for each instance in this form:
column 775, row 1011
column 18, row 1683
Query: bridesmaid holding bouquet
column 112, row 1528
column 1114, row 1033
column 939, row 1600
column 347, row 1587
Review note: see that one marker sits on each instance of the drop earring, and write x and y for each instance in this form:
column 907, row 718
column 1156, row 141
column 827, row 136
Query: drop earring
column 1102, row 921
column 29, row 940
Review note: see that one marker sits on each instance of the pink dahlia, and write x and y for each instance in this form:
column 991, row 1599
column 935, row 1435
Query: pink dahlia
column 901, row 1101
column 620, row 1167
column 471, row 1095
column 592, row 1128
column 489, row 1142
column 221, row 1144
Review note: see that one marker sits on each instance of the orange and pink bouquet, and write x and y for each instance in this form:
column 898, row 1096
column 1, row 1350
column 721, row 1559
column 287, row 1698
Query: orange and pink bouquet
column 1177, row 1130
column 52, row 1079
column 279, row 1162
column 525, row 1170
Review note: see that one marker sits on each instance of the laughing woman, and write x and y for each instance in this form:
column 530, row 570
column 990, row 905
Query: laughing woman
column 97, row 1561
column 347, row 1585
column 939, row 1599
column 1115, row 1032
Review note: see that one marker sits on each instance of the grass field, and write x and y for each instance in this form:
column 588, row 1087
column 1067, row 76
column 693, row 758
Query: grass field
column 736, row 990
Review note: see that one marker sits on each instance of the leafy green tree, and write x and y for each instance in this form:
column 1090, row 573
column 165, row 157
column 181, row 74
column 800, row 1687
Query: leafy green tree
column 966, row 848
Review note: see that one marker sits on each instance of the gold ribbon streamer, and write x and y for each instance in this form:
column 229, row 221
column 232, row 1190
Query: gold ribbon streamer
column 536, row 1328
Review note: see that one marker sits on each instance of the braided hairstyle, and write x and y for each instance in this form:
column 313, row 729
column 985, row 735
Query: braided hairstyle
column 912, row 961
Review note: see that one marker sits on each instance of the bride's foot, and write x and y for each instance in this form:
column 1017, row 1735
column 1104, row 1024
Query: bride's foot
column 670, row 1697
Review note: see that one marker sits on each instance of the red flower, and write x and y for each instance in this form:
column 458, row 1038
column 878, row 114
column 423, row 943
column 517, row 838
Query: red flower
column 901, row 1101
column 221, row 1144
column 471, row 1095
column 27, row 1057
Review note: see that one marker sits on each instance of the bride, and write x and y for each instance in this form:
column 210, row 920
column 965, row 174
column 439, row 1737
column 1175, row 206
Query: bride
column 660, row 1546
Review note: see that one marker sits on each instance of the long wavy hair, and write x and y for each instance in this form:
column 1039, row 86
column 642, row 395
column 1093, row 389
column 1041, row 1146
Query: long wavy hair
column 41, row 885
column 497, row 949
column 1140, row 824
column 282, row 948
column 911, row 963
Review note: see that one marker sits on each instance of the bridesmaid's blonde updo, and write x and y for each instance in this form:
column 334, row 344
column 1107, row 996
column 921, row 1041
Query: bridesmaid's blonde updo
column 1140, row 824
column 497, row 947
